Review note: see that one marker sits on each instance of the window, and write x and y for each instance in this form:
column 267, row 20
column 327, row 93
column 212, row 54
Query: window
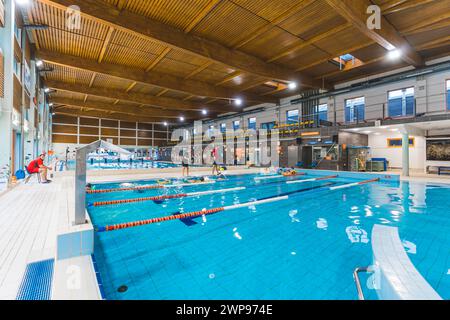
column 236, row 125
column 397, row 142
column 401, row 102
column 252, row 123
column 223, row 127
column 346, row 57
column 292, row 116
column 448, row 94
column 268, row 125
column 18, row 34
column 16, row 68
column 354, row 109
column 322, row 111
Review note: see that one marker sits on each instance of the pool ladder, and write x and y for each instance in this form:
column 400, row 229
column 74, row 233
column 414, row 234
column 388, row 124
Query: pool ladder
column 356, row 273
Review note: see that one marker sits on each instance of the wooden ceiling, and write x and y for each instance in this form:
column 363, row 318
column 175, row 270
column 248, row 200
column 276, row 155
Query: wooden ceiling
column 162, row 59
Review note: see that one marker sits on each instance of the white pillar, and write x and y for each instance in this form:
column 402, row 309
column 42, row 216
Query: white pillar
column 405, row 154
column 6, row 103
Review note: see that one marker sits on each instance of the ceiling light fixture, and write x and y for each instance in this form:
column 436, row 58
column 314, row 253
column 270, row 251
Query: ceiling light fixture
column 292, row 85
column 394, row 54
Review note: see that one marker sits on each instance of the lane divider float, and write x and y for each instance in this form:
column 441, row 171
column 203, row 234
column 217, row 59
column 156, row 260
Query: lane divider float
column 148, row 187
column 355, row 184
column 279, row 176
column 164, row 197
column 314, row 179
column 194, row 214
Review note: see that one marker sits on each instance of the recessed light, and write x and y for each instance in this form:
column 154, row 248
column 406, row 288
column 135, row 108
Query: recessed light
column 165, row 123
column 204, row 111
column 238, row 102
column 181, row 119
column 47, row 90
column 292, row 85
column 394, row 54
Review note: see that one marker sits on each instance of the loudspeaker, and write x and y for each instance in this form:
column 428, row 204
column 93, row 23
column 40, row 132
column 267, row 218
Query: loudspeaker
column 299, row 141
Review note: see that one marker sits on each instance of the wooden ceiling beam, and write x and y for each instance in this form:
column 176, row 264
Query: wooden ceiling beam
column 160, row 102
column 86, row 112
column 387, row 36
column 131, row 110
column 165, row 81
column 178, row 39
column 105, row 44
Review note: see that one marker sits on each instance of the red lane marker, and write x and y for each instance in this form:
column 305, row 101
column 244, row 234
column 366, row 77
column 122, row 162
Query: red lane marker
column 160, row 219
column 155, row 198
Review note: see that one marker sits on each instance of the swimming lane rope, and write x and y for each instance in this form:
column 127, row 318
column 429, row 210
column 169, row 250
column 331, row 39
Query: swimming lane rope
column 149, row 187
column 164, row 197
column 186, row 215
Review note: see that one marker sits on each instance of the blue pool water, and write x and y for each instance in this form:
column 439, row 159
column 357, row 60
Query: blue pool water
column 305, row 247
column 114, row 165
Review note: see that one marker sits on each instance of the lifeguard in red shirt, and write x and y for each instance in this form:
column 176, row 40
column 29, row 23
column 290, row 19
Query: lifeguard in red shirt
column 37, row 166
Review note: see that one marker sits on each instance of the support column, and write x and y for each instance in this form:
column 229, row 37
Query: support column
column 6, row 102
column 405, row 154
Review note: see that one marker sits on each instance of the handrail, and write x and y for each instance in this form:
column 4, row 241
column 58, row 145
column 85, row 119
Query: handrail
column 358, row 282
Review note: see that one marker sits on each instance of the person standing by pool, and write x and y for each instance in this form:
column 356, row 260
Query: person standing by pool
column 185, row 165
column 215, row 167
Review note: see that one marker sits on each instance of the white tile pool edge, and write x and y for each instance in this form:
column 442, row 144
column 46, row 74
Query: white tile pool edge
column 398, row 278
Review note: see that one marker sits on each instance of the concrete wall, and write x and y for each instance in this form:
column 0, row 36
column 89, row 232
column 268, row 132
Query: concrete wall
column 380, row 149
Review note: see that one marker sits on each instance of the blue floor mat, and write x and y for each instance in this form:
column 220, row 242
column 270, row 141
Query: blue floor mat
column 37, row 281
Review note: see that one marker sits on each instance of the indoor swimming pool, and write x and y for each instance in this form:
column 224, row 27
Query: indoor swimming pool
column 302, row 247
column 123, row 164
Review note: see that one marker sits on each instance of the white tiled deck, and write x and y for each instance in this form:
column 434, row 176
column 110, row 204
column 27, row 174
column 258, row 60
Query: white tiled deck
column 28, row 226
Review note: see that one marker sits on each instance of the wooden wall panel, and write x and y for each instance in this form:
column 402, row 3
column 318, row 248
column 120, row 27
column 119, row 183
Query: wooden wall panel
column 89, row 122
column 89, row 130
column 17, row 95
column 145, row 142
column 129, row 125
column 145, row 126
column 127, row 142
column 160, row 127
column 145, row 134
column 61, row 118
column 160, row 135
column 127, row 133
column 110, row 123
column 109, row 131
column 86, row 139
column 57, row 138
column 57, row 128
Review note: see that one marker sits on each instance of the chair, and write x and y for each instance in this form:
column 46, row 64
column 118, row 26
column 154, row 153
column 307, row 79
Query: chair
column 27, row 179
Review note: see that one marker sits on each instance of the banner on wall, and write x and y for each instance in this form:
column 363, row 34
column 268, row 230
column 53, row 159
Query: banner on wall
column 438, row 150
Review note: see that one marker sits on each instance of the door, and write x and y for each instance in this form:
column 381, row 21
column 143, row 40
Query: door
column 307, row 156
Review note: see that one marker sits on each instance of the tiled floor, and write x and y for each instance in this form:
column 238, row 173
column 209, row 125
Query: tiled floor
column 28, row 224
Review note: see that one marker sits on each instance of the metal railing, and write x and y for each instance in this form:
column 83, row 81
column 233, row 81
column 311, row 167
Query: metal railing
column 356, row 273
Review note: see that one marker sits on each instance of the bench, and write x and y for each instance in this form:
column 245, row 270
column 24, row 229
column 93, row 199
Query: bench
column 445, row 169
